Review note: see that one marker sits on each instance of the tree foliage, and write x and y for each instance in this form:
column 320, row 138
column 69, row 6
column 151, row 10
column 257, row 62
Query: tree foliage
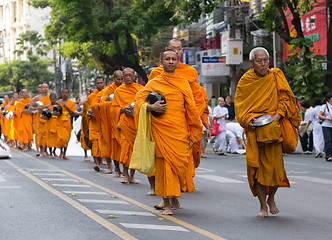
column 105, row 32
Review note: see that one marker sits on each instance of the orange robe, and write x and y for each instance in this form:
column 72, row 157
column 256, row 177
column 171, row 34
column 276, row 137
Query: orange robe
column 64, row 124
column 41, row 124
column 94, row 123
column 256, row 96
column 190, row 74
column 84, row 139
column 172, row 131
column 10, row 124
column 105, row 140
column 3, row 127
column 52, row 131
column 124, row 96
column 25, row 134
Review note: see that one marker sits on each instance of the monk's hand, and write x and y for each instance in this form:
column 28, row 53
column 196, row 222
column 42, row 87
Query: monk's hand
column 251, row 124
column 277, row 117
column 159, row 107
column 40, row 108
column 59, row 102
column 127, row 110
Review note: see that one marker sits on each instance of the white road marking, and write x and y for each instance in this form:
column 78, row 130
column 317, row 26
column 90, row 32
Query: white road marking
column 42, row 170
column 237, row 172
column 154, row 227
column 300, row 164
column 10, row 187
column 71, row 185
column 219, row 179
column 49, row 174
column 93, row 193
column 199, row 169
column 102, row 201
column 61, row 179
column 2, row 179
column 132, row 213
column 313, row 179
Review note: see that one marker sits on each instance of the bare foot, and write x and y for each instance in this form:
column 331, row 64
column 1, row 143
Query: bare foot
column 167, row 206
column 167, row 211
column 263, row 214
column 65, row 158
column 96, row 168
column 104, row 162
column 52, row 157
column 160, row 205
column 134, row 181
column 86, row 159
column 273, row 207
column 151, row 193
column 108, row 172
column 125, row 180
column 175, row 203
column 117, row 175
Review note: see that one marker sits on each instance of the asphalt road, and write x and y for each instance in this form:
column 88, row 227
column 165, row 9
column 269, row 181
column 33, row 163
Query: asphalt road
column 42, row 198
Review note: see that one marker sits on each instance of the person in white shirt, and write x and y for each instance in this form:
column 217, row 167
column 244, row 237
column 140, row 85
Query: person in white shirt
column 220, row 113
column 317, row 131
column 236, row 136
column 325, row 114
column 204, row 138
column 305, row 129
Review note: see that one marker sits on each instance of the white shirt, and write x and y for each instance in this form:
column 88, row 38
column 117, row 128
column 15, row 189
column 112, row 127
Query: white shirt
column 235, row 128
column 314, row 114
column 327, row 111
column 220, row 111
column 210, row 116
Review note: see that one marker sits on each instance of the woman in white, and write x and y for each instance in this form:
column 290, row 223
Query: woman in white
column 317, row 129
column 325, row 114
column 220, row 113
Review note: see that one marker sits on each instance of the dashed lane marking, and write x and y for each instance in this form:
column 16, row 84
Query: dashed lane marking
column 102, row 201
column 2, row 179
column 9, row 187
column 219, row 179
column 113, row 228
column 154, row 227
column 49, row 174
column 139, row 204
column 314, row 179
column 60, row 179
column 131, row 213
column 86, row 193
column 71, row 185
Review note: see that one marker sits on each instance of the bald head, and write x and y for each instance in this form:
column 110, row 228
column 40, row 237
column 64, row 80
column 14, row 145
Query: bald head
column 176, row 46
column 129, row 75
column 45, row 88
column 24, row 93
column 118, row 77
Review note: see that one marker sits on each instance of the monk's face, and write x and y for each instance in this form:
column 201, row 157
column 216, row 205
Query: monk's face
column 25, row 93
column 260, row 63
column 6, row 98
column 99, row 83
column 15, row 96
column 129, row 76
column 170, row 61
column 39, row 89
column 221, row 101
column 53, row 100
column 65, row 94
column 118, row 78
column 176, row 46
column 45, row 88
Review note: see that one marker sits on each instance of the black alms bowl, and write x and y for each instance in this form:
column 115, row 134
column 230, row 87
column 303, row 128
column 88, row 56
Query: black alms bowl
column 154, row 97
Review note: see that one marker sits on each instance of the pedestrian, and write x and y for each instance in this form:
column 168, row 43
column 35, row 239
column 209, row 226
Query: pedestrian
column 220, row 114
column 174, row 131
column 305, row 129
column 325, row 114
column 230, row 106
column 124, row 96
column 238, row 132
column 64, row 122
column 317, row 131
column 264, row 91
column 205, row 136
column 52, row 127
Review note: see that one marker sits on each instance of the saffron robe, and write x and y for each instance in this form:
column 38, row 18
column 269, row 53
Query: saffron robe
column 52, row 130
column 3, row 128
column 172, row 131
column 9, row 124
column 256, row 96
column 84, row 139
column 124, row 96
column 25, row 134
column 64, row 124
column 41, row 124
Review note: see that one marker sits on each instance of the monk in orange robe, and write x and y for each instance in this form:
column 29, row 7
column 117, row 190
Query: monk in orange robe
column 264, row 91
column 24, row 117
column 123, row 115
column 14, row 129
column 190, row 74
column 52, row 127
column 64, row 122
column 34, row 121
column 107, row 143
column 174, row 132
column 94, row 122
column 44, row 97
column 3, row 105
column 9, row 124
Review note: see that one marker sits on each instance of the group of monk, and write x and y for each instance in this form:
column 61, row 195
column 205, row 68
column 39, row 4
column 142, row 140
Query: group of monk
column 22, row 122
column 110, row 116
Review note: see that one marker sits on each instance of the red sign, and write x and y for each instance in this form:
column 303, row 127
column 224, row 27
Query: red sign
column 314, row 26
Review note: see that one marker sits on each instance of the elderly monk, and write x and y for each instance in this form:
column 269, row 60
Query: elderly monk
column 41, row 132
column 174, row 131
column 190, row 74
column 264, row 91
column 110, row 140
column 24, row 117
column 3, row 105
column 64, row 122
column 123, row 117
column 94, row 123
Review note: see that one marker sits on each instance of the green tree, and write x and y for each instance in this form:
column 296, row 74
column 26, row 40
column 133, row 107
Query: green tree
column 31, row 40
column 105, row 32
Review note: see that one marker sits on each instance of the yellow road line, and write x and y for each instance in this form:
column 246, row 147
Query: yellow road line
column 171, row 218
